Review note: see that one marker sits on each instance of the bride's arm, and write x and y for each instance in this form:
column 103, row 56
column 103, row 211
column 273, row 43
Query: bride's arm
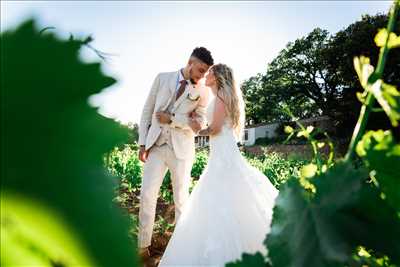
column 218, row 119
column 201, row 109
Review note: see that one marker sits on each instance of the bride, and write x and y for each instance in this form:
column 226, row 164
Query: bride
column 229, row 211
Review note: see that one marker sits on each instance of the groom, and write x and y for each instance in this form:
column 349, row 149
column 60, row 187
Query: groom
column 166, row 138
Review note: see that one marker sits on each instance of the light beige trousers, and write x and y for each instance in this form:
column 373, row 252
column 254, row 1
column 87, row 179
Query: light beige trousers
column 160, row 158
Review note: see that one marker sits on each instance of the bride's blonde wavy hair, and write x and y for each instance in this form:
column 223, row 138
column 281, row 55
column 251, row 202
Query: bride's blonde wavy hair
column 228, row 92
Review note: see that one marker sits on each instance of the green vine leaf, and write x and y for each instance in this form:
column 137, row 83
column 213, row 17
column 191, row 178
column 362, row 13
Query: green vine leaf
column 39, row 238
column 389, row 99
column 55, row 142
column 382, row 36
column 382, row 156
column 363, row 69
column 249, row 260
column 308, row 170
column 323, row 230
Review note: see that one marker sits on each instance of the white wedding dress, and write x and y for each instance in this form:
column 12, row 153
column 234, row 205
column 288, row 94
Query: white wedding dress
column 229, row 211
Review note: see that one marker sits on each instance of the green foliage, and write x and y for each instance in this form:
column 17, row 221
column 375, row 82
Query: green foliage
column 125, row 164
column 297, row 78
column 133, row 129
column 285, row 128
column 56, row 193
column 166, row 188
column 249, row 260
column 318, row 164
column 255, row 100
column 162, row 226
column 299, row 221
column 316, row 74
column 337, row 214
column 358, row 39
column 38, row 238
column 369, row 258
column 135, row 225
column 269, row 141
column 277, row 168
column 199, row 163
column 373, row 148
column 322, row 229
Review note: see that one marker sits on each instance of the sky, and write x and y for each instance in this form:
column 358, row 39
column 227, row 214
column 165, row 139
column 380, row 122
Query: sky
column 148, row 37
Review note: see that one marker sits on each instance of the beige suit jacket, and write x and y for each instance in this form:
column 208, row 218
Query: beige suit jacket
column 160, row 96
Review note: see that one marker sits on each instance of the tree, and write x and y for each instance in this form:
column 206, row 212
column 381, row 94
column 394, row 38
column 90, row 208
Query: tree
column 296, row 78
column 358, row 39
column 314, row 75
column 260, row 99
column 133, row 129
column 299, row 72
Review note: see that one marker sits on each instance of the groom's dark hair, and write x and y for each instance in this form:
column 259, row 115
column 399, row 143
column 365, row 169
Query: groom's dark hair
column 204, row 55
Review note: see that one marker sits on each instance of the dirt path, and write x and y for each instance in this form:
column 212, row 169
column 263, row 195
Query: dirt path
column 162, row 231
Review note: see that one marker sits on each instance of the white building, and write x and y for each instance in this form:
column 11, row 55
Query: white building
column 261, row 130
column 201, row 141
column 250, row 134
column 253, row 132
